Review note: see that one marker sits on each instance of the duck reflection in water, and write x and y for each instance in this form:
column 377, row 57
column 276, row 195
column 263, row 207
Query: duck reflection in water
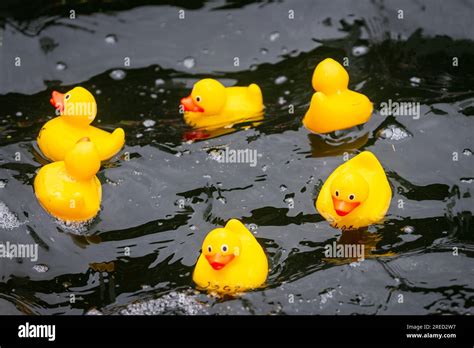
column 337, row 143
column 354, row 246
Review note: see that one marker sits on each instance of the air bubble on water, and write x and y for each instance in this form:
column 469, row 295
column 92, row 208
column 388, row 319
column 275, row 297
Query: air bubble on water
column 415, row 81
column 358, row 51
column 19, row 114
column 252, row 227
column 139, row 135
column 289, row 201
column 60, row 66
column 41, row 268
column 189, row 62
column 111, row 39
column 253, row 67
column 159, row 82
column 464, row 180
column 8, row 220
column 394, row 132
column 193, row 227
column 153, row 96
column 408, row 229
column 281, row 101
column 283, row 188
column 149, row 123
column 264, row 168
column 284, row 50
column 117, row 74
column 286, row 92
column 386, row 133
column 142, row 94
column 222, row 200
column 3, row 183
column 274, row 36
column 280, row 80
column 467, row 152
column 263, row 51
column 98, row 91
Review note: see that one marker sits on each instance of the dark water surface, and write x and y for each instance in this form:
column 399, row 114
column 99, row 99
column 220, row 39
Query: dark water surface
column 163, row 201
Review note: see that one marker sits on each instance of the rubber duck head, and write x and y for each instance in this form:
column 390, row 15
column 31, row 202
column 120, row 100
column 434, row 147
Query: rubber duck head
column 221, row 247
column 77, row 106
column 348, row 191
column 330, row 77
column 207, row 97
column 83, row 161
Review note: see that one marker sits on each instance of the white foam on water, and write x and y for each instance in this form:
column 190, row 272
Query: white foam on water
column 8, row 220
column 75, row 227
column 173, row 302
column 393, row 132
column 41, row 268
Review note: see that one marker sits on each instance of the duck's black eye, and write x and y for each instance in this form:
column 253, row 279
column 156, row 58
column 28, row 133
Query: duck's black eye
column 337, row 193
column 198, row 99
column 351, row 197
column 224, row 248
column 209, row 248
column 67, row 96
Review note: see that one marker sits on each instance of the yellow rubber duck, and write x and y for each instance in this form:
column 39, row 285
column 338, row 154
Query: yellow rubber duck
column 77, row 110
column 334, row 106
column 69, row 190
column 211, row 105
column 356, row 194
column 231, row 261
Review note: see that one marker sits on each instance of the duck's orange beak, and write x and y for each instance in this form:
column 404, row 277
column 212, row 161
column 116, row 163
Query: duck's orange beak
column 57, row 100
column 189, row 105
column 343, row 208
column 218, row 261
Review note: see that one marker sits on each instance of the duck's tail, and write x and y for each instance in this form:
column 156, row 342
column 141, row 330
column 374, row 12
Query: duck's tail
column 113, row 146
column 255, row 94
